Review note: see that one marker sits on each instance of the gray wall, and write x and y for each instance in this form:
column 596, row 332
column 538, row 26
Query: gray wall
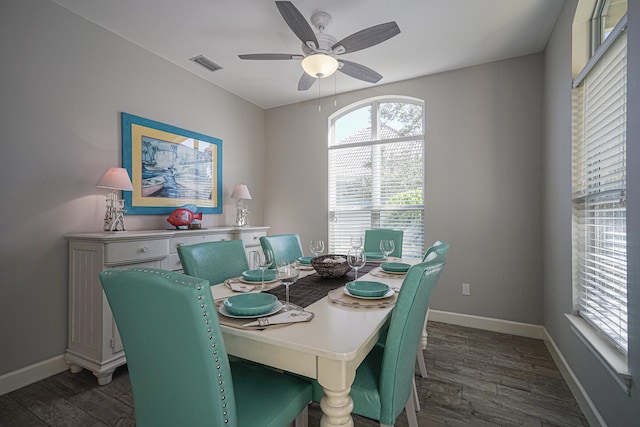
column 482, row 184
column 64, row 83
column 615, row 407
column 497, row 176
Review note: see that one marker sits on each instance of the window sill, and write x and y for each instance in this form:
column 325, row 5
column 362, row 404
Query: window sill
column 614, row 361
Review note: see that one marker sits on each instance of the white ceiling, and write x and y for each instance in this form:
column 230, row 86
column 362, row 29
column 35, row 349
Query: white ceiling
column 436, row 36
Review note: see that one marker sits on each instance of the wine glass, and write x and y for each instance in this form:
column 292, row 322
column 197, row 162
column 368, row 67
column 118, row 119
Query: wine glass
column 356, row 242
column 263, row 260
column 317, row 247
column 386, row 247
column 356, row 259
column 287, row 274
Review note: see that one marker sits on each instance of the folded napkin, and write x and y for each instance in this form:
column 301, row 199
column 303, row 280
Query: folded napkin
column 292, row 316
column 380, row 273
column 239, row 287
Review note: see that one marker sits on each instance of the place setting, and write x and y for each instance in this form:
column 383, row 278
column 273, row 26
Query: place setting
column 252, row 281
column 391, row 270
column 261, row 310
column 304, row 263
column 362, row 293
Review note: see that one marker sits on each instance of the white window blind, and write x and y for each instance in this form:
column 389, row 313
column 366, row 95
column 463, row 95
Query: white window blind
column 599, row 185
column 376, row 174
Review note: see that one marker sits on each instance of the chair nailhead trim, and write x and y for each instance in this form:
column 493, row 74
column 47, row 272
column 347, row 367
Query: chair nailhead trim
column 215, row 352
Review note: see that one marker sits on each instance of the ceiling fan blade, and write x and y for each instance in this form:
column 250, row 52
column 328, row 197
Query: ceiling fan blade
column 359, row 71
column 306, row 81
column 297, row 23
column 366, row 38
column 263, row 56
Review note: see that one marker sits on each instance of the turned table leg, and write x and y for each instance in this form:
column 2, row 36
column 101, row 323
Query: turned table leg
column 336, row 408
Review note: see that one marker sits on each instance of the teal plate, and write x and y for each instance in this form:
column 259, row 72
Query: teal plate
column 305, row 260
column 363, row 288
column 374, row 255
column 256, row 275
column 250, row 304
column 395, row 267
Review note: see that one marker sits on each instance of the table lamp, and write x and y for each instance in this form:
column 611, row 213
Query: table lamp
column 241, row 192
column 116, row 179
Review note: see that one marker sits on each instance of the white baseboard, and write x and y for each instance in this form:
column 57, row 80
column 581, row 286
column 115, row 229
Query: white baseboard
column 31, row 374
column 530, row 331
column 488, row 324
column 586, row 405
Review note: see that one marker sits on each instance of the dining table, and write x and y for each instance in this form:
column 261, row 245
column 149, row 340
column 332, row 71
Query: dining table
column 329, row 347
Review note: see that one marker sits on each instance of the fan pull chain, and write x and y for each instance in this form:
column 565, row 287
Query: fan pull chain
column 319, row 105
column 335, row 85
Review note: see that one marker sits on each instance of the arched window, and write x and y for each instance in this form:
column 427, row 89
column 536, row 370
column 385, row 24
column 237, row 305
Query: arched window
column 376, row 172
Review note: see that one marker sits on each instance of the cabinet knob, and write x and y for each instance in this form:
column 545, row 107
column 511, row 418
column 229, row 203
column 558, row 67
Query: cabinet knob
column 144, row 249
column 255, row 237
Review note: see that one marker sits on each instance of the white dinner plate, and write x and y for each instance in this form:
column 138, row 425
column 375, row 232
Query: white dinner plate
column 389, row 293
column 258, row 283
column 399, row 273
column 276, row 308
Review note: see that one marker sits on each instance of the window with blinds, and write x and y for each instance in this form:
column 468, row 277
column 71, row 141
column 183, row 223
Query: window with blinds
column 599, row 185
column 376, row 173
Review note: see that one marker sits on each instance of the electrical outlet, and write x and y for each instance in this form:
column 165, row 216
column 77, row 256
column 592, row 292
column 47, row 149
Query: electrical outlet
column 466, row 289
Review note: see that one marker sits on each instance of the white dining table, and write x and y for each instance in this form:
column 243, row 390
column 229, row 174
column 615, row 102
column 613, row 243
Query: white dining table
column 329, row 348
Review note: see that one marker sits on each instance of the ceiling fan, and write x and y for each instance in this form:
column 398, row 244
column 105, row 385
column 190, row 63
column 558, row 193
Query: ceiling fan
column 321, row 51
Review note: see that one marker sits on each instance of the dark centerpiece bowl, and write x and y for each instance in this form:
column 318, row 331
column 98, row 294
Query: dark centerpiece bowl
column 331, row 266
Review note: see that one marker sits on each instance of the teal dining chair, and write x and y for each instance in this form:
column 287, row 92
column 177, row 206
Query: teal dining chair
column 284, row 247
column 373, row 236
column 383, row 385
column 438, row 246
column 214, row 261
column 179, row 369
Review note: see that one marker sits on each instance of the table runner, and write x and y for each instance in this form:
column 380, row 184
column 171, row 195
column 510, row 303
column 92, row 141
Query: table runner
column 312, row 288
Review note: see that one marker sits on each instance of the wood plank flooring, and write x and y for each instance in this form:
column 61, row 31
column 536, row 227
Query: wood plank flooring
column 476, row 378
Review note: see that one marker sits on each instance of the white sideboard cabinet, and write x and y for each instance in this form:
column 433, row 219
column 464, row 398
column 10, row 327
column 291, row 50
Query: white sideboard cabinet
column 94, row 342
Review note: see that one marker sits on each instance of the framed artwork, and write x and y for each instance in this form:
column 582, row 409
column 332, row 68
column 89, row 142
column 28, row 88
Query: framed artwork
column 170, row 167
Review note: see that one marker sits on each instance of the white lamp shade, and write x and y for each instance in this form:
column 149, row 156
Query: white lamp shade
column 319, row 65
column 116, row 179
column 241, row 192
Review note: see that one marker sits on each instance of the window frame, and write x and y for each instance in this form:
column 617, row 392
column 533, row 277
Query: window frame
column 374, row 103
column 613, row 359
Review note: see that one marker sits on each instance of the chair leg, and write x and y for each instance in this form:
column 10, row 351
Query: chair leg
column 410, row 409
column 421, row 364
column 415, row 395
column 302, row 419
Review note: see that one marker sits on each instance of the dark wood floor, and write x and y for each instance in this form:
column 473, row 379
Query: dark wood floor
column 476, row 378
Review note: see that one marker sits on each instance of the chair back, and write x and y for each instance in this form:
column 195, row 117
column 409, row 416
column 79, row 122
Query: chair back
column 178, row 364
column 284, row 247
column 438, row 246
column 214, row 261
column 405, row 330
column 373, row 236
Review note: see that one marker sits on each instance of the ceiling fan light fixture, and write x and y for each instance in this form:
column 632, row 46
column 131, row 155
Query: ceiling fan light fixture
column 320, row 65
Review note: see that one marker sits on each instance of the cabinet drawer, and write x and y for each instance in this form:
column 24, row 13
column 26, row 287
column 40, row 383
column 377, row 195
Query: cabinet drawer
column 252, row 239
column 172, row 263
column 191, row 240
column 135, row 251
